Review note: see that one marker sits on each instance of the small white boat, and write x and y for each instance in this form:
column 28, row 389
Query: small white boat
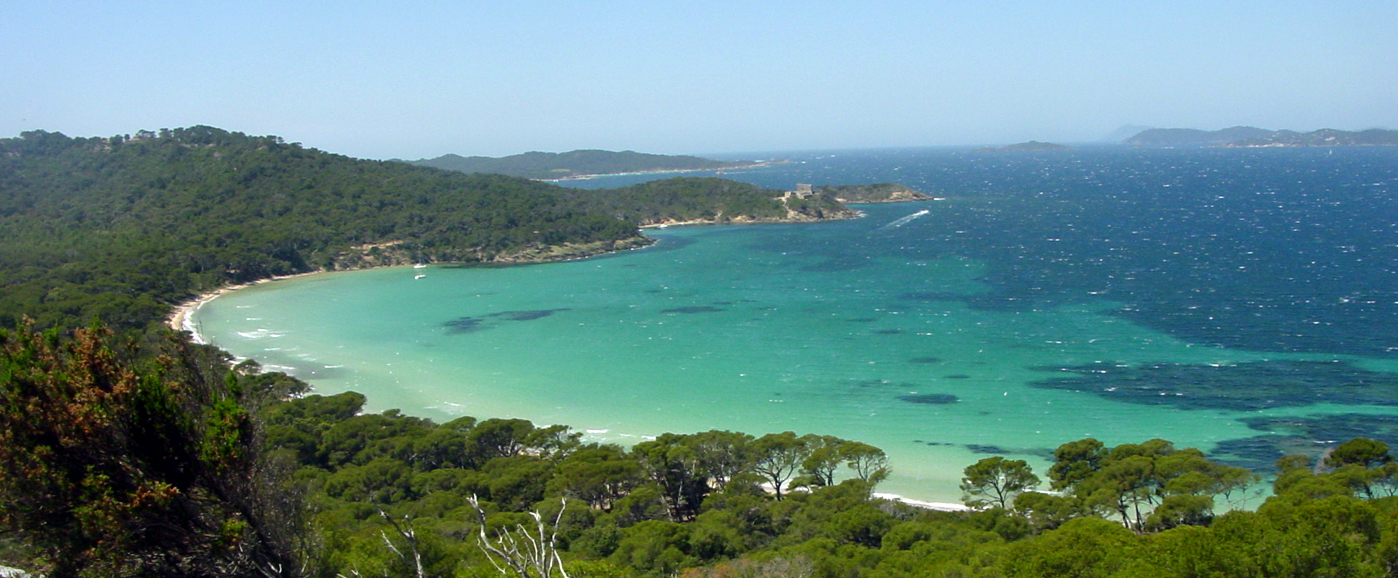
column 419, row 275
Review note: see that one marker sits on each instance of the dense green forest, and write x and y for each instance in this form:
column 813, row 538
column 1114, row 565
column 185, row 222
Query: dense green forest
column 127, row 450
column 121, row 228
column 152, row 457
column 539, row 165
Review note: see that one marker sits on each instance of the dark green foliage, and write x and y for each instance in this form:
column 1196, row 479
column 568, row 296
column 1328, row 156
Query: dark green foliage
column 1359, row 452
column 1360, row 467
column 597, row 475
column 779, row 457
column 1085, row 547
column 118, row 467
column 299, row 425
column 92, row 228
column 1047, row 511
column 120, row 229
column 674, row 467
column 688, row 504
column 677, row 502
column 875, row 193
column 671, row 503
column 682, row 199
column 1075, row 461
column 996, row 482
column 1148, row 486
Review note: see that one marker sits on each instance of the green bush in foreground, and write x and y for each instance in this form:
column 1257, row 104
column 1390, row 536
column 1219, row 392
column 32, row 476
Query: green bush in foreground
column 117, row 465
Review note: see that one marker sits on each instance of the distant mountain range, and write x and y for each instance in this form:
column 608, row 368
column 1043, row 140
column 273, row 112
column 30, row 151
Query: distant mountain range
column 1247, row 136
column 576, row 164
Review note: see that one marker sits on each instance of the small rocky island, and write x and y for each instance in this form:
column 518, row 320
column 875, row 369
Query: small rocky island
column 1030, row 146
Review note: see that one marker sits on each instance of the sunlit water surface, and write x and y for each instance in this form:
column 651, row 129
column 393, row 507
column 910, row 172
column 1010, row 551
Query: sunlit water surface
column 1241, row 301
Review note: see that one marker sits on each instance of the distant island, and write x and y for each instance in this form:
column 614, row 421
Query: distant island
column 1030, row 146
column 579, row 164
column 1247, row 136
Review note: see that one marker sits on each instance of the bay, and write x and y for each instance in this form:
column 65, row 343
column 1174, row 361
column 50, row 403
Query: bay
column 1240, row 301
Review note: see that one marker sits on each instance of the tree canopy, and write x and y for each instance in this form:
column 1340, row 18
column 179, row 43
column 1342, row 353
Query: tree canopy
column 121, row 228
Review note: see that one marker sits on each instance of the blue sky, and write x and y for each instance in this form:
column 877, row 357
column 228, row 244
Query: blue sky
column 412, row 80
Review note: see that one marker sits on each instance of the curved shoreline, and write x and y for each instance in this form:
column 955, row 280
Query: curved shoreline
column 938, row 506
column 185, row 318
column 181, row 318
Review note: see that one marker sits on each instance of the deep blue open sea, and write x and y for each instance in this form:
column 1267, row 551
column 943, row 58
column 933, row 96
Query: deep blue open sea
column 1244, row 301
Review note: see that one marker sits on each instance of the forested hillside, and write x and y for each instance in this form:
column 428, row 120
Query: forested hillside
column 121, row 228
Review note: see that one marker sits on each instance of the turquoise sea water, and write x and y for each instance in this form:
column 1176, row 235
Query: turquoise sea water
column 1239, row 301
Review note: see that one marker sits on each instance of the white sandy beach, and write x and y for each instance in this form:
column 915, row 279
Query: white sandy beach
column 182, row 318
column 939, row 506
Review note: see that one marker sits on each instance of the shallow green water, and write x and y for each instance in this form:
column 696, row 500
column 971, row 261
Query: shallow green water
column 750, row 328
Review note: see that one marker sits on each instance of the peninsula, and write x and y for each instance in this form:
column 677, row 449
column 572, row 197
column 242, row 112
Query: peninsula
column 875, row 193
column 676, row 201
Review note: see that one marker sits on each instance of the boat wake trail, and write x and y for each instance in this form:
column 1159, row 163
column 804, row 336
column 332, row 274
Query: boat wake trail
column 904, row 220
